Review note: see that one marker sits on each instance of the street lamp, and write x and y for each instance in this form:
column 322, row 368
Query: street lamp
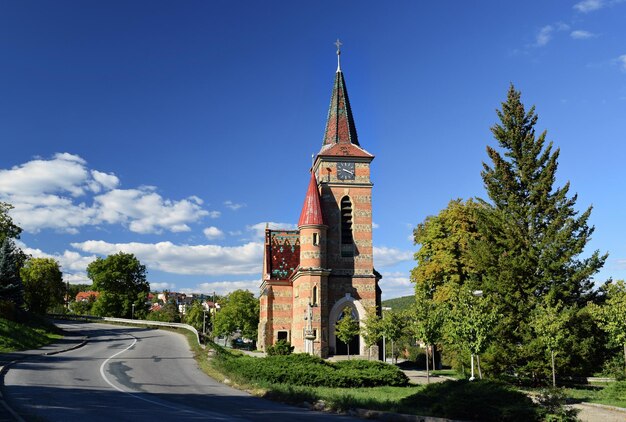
column 475, row 293
column 132, row 312
column 385, row 308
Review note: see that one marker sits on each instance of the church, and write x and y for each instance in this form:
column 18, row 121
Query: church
column 310, row 275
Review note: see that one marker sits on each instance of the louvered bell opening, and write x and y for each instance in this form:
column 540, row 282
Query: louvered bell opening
column 346, row 221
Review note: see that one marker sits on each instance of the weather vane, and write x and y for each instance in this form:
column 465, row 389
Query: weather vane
column 338, row 44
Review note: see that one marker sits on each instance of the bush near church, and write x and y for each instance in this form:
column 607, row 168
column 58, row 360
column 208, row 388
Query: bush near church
column 307, row 370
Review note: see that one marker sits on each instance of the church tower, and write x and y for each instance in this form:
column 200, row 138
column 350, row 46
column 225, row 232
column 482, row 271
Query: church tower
column 312, row 274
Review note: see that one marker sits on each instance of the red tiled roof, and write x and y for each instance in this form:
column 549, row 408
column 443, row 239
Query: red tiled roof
column 311, row 210
column 86, row 295
column 282, row 253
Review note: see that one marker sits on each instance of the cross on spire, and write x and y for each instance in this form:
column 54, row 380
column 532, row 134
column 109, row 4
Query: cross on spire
column 338, row 44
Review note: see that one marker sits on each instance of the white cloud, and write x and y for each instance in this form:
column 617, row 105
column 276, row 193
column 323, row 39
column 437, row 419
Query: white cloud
column 374, row 225
column 156, row 286
column 225, row 287
column 109, row 181
column 72, row 263
column 544, row 35
column 396, row 284
column 587, row 6
column 580, row 34
column 63, row 173
column 387, row 257
column 621, row 61
column 213, row 233
column 146, row 211
column 56, row 194
column 233, row 206
column 186, row 259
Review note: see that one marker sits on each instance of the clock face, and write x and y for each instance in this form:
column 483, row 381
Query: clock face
column 345, row 171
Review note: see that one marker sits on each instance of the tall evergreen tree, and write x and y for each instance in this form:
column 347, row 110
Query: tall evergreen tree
column 11, row 288
column 534, row 237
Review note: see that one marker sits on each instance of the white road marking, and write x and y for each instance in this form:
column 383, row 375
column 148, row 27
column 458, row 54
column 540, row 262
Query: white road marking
column 178, row 409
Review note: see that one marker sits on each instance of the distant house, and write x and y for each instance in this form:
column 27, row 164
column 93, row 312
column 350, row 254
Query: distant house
column 87, row 296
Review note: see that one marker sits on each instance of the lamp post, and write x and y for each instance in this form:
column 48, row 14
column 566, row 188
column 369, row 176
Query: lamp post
column 385, row 308
column 132, row 312
column 475, row 293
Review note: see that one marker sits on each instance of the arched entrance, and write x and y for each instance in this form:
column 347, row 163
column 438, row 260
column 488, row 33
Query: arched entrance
column 338, row 347
column 341, row 347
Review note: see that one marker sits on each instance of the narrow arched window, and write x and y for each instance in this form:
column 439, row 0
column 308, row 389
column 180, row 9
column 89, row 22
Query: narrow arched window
column 346, row 221
column 314, row 296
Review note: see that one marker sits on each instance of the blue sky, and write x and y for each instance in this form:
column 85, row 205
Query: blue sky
column 176, row 130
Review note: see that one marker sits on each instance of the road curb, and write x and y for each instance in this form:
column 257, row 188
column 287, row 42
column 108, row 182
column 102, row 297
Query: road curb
column 4, row 369
column 604, row 406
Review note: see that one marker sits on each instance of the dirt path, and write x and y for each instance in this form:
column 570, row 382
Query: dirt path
column 591, row 413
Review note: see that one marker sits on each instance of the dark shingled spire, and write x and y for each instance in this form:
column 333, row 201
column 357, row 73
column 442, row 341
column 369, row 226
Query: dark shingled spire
column 340, row 127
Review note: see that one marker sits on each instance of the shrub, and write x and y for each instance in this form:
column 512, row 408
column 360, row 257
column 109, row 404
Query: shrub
column 281, row 348
column 304, row 369
column 475, row 400
column 552, row 401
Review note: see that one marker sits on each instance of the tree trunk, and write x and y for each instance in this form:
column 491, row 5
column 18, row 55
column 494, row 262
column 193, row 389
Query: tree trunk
column 434, row 365
column 553, row 370
column 393, row 354
column 427, row 374
column 348, row 344
column 480, row 372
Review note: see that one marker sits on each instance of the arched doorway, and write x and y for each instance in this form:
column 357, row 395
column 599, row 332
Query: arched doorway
column 341, row 347
column 337, row 347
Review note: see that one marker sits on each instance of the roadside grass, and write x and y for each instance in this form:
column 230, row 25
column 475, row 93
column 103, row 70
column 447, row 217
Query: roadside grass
column 32, row 333
column 479, row 400
column 610, row 394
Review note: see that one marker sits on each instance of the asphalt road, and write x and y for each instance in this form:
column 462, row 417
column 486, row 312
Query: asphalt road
column 132, row 374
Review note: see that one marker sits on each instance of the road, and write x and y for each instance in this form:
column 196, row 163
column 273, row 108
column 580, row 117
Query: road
column 132, row 374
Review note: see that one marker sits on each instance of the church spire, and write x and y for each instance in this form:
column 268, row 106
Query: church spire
column 312, row 209
column 340, row 127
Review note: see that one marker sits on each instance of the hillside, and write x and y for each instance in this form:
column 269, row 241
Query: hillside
column 32, row 335
column 399, row 303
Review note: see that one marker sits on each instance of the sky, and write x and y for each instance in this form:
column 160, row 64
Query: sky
column 175, row 130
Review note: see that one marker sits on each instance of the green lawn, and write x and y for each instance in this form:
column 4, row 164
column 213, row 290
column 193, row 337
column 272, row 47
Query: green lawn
column 610, row 394
column 30, row 335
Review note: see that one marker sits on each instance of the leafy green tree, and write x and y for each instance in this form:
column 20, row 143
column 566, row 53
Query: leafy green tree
column 7, row 227
column 470, row 323
column 168, row 313
column 549, row 323
column 371, row 331
column 444, row 259
column 347, row 327
column 195, row 316
column 531, row 241
column 611, row 316
column 11, row 287
column 121, row 281
column 392, row 326
column 239, row 311
column 43, row 284
column 427, row 319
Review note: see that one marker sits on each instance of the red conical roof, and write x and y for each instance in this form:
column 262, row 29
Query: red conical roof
column 312, row 209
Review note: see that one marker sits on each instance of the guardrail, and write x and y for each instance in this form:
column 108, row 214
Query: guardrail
column 145, row 322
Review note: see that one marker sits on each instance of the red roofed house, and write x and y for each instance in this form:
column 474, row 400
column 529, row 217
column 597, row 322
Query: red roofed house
column 87, row 296
column 311, row 274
